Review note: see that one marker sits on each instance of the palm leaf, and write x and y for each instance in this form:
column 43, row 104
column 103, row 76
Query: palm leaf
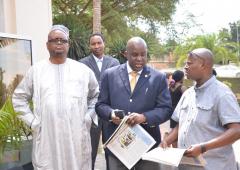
column 11, row 128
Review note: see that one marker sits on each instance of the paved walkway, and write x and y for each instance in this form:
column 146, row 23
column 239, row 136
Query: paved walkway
column 100, row 162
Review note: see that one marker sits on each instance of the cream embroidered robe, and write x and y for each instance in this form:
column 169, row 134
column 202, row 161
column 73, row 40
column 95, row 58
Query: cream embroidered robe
column 64, row 98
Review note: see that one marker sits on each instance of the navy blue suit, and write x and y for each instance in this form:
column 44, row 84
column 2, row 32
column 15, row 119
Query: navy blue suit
column 150, row 97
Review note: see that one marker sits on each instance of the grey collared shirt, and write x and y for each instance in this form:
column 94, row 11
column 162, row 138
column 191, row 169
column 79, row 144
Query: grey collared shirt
column 202, row 113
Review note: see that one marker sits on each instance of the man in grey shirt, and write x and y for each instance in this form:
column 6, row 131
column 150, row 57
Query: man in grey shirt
column 208, row 116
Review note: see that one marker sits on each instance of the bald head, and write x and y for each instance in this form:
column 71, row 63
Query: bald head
column 199, row 65
column 205, row 54
column 135, row 41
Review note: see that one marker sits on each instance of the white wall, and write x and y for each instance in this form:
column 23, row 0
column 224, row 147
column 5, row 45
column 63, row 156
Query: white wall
column 8, row 20
column 32, row 18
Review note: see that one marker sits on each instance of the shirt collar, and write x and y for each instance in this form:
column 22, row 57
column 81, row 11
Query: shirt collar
column 97, row 59
column 206, row 84
column 129, row 69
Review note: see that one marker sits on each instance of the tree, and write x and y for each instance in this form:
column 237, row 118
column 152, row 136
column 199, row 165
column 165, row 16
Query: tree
column 235, row 35
column 96, row 16
column 211, row 41
column 235, row 31
column 119, row 19
column 179, row 31
column 124, row 11
column 79, row 34
column 117, row 49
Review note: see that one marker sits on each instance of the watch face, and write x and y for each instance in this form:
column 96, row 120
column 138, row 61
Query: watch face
column 120, row 113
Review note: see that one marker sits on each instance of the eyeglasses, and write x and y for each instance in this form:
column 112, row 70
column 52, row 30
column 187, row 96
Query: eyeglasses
column 58, row 41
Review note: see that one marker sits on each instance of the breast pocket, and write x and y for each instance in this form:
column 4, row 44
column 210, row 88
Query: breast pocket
column 76, row 94
column 205, row 114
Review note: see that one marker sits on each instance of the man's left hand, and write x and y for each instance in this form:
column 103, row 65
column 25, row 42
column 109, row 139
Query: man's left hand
column 136, row 118
column 193, row 151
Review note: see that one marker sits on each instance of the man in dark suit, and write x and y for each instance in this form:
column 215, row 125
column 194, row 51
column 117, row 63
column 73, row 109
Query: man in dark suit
column 98, row 62
column 141, row 92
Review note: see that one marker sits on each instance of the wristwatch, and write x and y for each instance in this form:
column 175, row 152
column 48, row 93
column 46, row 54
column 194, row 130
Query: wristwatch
column 203, row 148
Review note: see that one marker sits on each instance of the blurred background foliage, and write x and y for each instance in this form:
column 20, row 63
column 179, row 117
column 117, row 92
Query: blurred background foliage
column 120, row 20
column 123, row 19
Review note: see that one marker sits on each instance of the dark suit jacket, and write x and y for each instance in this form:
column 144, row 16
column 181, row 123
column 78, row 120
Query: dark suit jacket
column 107, row 63
column 150, row 97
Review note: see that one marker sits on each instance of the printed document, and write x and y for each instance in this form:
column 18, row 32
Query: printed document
column 128, row 143
column 172, row 156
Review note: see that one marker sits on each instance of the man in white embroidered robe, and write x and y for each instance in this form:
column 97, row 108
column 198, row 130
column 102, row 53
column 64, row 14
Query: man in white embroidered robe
column 64, row 93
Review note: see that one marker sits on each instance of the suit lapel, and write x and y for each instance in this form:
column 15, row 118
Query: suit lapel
column 104, row 64
column 124, row 76
column 94, row 65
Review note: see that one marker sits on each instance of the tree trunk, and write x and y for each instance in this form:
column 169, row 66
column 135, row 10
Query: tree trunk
column 96, row 16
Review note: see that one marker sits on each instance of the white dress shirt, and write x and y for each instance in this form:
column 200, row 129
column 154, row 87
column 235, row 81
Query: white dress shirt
column 99, row 62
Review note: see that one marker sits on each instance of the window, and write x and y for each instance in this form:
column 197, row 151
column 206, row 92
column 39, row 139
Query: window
column 15, row 59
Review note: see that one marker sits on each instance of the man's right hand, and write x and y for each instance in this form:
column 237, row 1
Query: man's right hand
column 116, row 120
column 170, row 138
column 164, row 144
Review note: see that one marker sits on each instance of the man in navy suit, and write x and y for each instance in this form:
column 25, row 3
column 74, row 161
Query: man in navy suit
column 98, row 63
column 147, row 104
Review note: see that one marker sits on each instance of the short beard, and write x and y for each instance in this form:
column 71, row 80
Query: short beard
column 57, row 54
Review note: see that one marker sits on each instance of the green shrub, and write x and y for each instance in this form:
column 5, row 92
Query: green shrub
column 12, row 129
